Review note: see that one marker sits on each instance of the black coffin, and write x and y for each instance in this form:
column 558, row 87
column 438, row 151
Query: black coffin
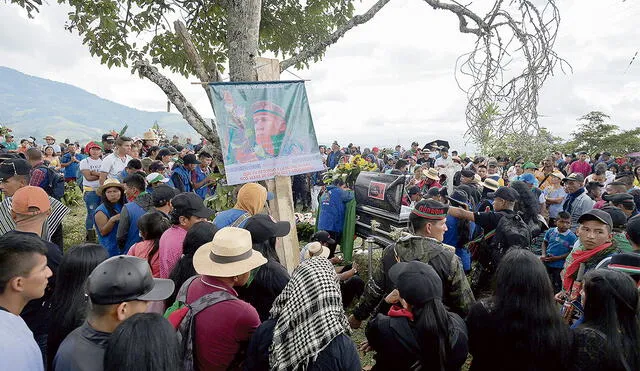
column 379, row 204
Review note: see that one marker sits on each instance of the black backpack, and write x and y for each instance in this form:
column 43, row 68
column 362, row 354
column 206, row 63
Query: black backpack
column 55, row 182
column 512, row 232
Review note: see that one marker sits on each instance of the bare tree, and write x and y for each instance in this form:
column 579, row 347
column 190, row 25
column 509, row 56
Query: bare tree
column 501, row 101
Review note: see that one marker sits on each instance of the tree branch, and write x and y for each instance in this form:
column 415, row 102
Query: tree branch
column 193, row 118
column 463, row 13
column 321, row 46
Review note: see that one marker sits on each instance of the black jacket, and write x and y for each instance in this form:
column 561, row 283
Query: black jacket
column 82, row 350
column 339, row 355
column 395, row 341
column 268, row 282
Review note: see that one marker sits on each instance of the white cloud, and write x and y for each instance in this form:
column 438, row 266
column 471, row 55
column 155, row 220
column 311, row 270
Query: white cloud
column 388, row 81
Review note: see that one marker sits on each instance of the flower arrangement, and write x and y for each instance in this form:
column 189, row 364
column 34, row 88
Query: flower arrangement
column 350, row 170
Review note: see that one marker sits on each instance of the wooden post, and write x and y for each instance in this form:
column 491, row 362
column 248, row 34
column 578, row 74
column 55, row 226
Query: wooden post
column 282, row 204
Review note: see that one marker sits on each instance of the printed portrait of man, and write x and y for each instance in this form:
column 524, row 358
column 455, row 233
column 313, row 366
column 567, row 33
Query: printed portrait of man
column 270, row 126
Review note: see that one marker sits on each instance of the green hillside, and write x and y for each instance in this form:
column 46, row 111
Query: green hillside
column 33, row 106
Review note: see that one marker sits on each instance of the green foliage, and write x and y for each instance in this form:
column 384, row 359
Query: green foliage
column 532, row 147
column 224, row 197
column 122, row 31
column 595, row 134
column 305, row 231
column 31, row 6
column 72, row 195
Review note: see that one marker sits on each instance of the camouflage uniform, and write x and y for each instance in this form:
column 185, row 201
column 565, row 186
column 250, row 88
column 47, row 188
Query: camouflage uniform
column 457, row 292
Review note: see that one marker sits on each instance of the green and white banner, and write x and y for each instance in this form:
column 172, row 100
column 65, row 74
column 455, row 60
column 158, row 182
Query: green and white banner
column 265, row 130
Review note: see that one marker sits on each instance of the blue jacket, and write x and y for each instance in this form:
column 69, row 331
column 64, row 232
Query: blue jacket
column 182, row 179
column 333, row 158
column 333, row 202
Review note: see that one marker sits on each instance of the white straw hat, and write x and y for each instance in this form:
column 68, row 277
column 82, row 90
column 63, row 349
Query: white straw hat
column 229, row 254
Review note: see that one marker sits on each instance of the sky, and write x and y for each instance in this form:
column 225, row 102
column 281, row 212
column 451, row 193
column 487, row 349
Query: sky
column 389, row 81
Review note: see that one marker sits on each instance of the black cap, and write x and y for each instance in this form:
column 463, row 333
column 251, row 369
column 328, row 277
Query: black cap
column 618, row 198
column 417, row 282
column 505, row 193
column 164, row 152
column 262, row 227
column 430, row 209
column 189, row 203
column 467, row 173
column 108, row 138
column 626, row 262
column 577, row 177
column 190, row 159
column 163, row 194
column 618, row 217
column 623, row 174
column 432, row 192
column 172, row 150
column 14, row 166
column 126, row 278
column 459, row 198
column 597, row 215
column 413, row 190
column 323, row 236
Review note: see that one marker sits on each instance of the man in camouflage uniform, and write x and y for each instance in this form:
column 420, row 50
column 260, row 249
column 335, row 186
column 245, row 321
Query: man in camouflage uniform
column 428, row 220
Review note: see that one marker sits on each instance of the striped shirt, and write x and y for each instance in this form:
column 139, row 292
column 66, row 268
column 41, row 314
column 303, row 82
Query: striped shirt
column 58, row 212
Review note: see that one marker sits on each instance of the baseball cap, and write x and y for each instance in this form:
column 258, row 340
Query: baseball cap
column 430, row 209
column 323, row 236
column 164, row 152
column 467, row 173
column 528, row 178
column 505, row 193
column 262, row 227
column 529, row 165
column 172, row 150
column 190, row 159
column 576, row 177
column 625, row 262
column 162, row 194
column 14, row 166
column 126, row 278
column 417, row 282
column 618, row 198
column 191, row 204
column 91, row 145
column 30, row 200
column 108, row 138
column 618, row 217
column 597, row 215
column 413, row 190
column 156, row 177
column 492, row 163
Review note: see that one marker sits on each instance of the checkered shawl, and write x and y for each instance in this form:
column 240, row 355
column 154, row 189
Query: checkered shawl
column 309, row 315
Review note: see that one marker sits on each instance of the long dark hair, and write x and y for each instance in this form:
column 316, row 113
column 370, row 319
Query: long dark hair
column 143, row 342
column 152, row 225
column 611, row 306
column 111, row 205
column 432, row 323
column 530, row 327
column 68, row 302
column 199, row 234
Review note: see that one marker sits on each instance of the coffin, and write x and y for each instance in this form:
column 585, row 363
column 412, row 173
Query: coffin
column 379, row 210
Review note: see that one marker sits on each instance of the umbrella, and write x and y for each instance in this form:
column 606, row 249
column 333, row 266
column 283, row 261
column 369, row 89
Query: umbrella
column 436, row 144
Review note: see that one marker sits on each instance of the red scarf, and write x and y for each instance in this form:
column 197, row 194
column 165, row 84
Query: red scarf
column 397, row 311
column 579, row 257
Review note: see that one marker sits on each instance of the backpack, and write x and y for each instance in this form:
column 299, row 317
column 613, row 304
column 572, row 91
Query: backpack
column 182, row 317
column 512, row 232
column 55, row 182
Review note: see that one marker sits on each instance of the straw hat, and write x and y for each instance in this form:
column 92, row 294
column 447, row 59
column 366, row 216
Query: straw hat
column 149, row 135
column 431, row 174
column 491, row 184
column 229, row 254
column 316, row 249
column 108, row 184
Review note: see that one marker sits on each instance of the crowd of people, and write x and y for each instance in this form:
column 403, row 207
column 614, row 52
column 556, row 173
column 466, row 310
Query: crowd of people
column 518, row 264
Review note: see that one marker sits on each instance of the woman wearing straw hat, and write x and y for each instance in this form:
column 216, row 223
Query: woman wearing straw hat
column 220, row 329
column 107, row 215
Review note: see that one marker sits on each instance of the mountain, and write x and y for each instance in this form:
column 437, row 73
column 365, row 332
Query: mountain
column 34, row 106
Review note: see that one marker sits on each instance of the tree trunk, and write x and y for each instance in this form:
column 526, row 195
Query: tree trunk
column 243, row 31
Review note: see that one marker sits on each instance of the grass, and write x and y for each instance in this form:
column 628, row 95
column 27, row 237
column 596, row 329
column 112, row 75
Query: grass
column 73, row 226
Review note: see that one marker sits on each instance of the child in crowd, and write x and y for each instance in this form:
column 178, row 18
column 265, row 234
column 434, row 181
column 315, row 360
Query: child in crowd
column 556, row 246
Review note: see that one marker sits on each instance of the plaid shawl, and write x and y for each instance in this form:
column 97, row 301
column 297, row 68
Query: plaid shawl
column 309, row 315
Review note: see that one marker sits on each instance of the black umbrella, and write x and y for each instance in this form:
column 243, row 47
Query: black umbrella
column 436, row 144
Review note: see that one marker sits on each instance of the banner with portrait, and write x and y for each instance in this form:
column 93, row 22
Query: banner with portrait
column 265, row 130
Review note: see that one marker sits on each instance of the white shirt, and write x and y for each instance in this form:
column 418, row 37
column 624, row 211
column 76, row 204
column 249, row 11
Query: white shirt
column 113, row 165
column 441, row 161
column 92, row 165
column 18, row 348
